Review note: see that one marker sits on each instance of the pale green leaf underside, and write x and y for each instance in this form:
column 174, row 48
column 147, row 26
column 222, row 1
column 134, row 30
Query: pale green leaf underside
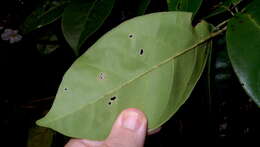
column 143, row 62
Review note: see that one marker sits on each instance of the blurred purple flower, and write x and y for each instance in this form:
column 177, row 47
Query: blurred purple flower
column 11, row 35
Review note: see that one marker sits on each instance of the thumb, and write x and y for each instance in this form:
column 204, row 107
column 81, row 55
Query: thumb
column 129, row 130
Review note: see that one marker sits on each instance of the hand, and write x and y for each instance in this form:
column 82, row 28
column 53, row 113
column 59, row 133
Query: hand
column 129, row 130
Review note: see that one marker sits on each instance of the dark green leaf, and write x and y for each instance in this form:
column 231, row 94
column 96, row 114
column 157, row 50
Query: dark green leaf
column 243, row 41
column 143, row 4
column 184, row 5
column 151, row 62
column 43, row 16
column 82, row 18
column 253, row 10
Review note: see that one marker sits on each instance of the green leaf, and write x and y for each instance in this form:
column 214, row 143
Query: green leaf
column 253, row 10
column 43, row 16
column 82, row 18
column 151, row 62
column 143, row 4
column 184, row 5
column 244, row 49
column 40, row 137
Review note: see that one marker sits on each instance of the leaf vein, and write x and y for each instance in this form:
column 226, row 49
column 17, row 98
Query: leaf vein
column 253, row 21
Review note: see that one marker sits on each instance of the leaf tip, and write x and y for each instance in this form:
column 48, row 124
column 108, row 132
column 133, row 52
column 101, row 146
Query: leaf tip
column 41, row 122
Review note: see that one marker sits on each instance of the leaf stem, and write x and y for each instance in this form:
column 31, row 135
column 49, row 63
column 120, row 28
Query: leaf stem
column 222, row 24
column 229, row 10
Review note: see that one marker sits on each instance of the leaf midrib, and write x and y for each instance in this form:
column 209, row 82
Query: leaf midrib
column 250, row 17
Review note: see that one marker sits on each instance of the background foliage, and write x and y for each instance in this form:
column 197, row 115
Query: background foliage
column 35, row 65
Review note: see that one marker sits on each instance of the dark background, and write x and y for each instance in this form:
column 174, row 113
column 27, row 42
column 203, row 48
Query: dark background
column 217, row 113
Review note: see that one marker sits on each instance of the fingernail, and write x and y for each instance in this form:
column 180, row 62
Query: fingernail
column 131, row 120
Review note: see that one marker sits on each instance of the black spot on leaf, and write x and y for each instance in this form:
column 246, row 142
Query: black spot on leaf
column 130, row 35
column 113, row 98
column 141, row 52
